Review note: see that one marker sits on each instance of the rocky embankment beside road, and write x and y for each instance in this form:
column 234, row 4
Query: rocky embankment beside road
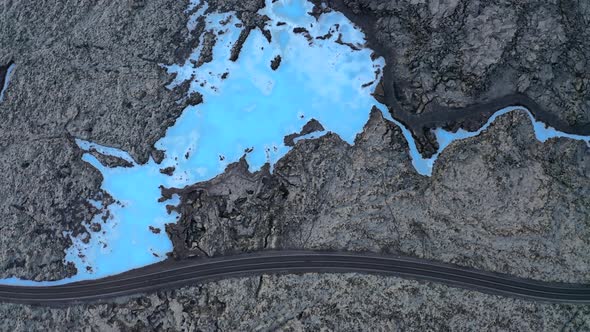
column 502, row 202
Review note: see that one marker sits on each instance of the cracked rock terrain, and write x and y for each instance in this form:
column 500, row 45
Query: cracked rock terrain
column 501, row 201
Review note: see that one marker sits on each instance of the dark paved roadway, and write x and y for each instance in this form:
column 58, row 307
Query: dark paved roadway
column 173, row 274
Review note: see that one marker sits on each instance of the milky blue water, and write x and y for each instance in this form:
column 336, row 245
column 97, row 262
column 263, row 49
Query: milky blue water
column 542, row 133
column 251, row 109
column 7, row 81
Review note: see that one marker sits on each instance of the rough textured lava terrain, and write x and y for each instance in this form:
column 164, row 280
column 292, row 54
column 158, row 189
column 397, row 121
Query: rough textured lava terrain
column 83, row 70
column 501, row 201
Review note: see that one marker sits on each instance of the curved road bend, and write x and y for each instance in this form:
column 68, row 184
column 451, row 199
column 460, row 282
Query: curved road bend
column 171, row 274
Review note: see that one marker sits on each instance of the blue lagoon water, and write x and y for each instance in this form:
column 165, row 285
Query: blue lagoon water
column 247, row 107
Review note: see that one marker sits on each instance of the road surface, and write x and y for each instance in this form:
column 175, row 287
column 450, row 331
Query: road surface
column 173, row 274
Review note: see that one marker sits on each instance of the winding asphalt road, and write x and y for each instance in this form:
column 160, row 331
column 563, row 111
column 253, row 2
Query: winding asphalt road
column 171, row 274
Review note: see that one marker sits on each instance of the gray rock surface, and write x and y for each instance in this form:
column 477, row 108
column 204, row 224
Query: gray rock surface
column 310, row 302
column 83, row 69
column 501, row 202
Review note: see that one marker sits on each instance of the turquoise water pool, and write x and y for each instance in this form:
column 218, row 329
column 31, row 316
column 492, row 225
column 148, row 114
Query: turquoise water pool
column 248, row 108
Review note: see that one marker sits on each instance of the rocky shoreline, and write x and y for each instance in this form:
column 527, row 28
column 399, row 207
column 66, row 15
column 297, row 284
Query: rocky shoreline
column 449, row 42
column 84, row 70
column 495, row 202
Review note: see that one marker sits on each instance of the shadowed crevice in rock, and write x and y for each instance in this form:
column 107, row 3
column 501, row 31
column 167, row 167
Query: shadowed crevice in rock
column 3, row 73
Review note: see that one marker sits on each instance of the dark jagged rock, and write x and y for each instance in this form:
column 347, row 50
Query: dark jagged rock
column 276, row 62
column 110, row 161
column 304, row 32
column 168, row 170
column 311, row 126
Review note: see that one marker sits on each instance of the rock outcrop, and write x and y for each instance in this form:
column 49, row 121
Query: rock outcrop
column 502, row 201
